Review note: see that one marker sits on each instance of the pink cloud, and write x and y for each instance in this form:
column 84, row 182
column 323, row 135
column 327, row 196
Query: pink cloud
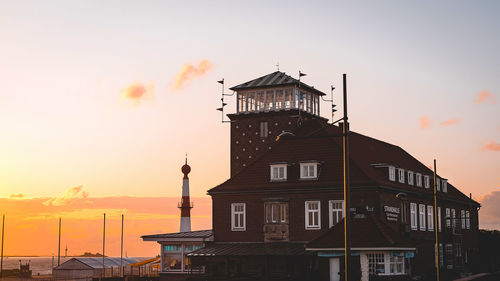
column 485, row 96
column 489, row 214
column 492, row 146
column 137, row 91
column 425, row 122
column 188, row 72
column 449, row 122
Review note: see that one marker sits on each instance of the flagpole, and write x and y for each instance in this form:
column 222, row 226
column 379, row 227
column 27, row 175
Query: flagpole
column 103, row 245
column 121, row 252
column 1, row 260
column 59, row 245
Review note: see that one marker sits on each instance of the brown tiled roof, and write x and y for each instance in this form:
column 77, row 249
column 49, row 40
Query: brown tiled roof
column 251, row 249
column 274, row 79
column 366, row 232
column 324, row 144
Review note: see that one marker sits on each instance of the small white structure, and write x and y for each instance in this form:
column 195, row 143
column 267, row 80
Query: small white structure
column 84, row 268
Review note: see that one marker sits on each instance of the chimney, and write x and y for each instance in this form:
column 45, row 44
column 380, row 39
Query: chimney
column 185, row 204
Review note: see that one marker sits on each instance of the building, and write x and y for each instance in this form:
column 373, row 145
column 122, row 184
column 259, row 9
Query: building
column 279, row 215
column 174, row 247
column 85, row 268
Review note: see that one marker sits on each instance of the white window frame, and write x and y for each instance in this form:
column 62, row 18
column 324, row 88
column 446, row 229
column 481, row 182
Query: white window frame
column 413, row 216
column 331, row 203
column 427, row 182
column 430, row 217
column 235, row 227
column 444, row 185
column 467, row 219
column 438, row 184
column 395, row 260
column 421, row 216
column 276, row 177
column 314, row 165
column 308, row 224
column 439, row 218
column 418, row 179
column 409, row 174
column 401, row 175
column 392, row 173
column 462, row 218
column 453, row 218
column 447, row 216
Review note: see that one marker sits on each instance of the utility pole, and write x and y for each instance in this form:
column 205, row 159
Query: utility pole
column 1, row 260
column 59, row 245
column 436, row 223
column 347, row 192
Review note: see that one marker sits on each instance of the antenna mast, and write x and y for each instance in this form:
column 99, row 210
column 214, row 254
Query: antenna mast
column 221, row 109
column 331, row 101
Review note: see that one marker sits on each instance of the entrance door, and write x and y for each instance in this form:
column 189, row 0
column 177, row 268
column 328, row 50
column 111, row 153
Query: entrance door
column 334, row 269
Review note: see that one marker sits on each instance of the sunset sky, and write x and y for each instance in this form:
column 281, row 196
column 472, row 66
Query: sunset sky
column 100, row 101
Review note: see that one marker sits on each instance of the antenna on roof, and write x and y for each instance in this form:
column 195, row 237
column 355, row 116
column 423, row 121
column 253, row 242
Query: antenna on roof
column 301, row 99
column 331, row 100
column 278, row 66
column 221, row 109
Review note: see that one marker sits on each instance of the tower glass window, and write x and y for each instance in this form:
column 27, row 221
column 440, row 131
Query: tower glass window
column 280, row 99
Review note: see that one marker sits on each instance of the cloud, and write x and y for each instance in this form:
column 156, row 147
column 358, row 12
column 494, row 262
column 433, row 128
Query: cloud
column 70, row 195
column 188, row 72
column 485, row 96
column 425, row 122
column 492, row 146
column 17, row 196
column 489, row 214
column 449, row 122
column 137, row 92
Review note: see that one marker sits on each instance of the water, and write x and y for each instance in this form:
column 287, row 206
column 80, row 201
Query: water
column 38, row 265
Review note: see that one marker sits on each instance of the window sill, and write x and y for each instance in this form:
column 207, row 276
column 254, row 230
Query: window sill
column 278, row 180
column 238, row 229
column 313, row 228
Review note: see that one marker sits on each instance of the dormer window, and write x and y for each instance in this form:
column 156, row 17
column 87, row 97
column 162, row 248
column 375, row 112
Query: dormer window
column 418, row 179
column 278, row 172
column 445, row 185
column 392, row 173
column 401, row 175
column 438, row 184
column 309, row 170
column 427, row 182
column 410, row 177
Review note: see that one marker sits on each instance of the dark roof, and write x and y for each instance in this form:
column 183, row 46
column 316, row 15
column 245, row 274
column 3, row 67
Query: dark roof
column 95, row 262
column 324, row 144
column 367, row 231
column 274, row 79
column 251, row 249
column 190, row 234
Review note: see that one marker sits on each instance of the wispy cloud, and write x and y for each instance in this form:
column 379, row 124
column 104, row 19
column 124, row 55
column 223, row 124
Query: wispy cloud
column 17, row 196
column 188, row 72
column 449, row 122
column 491, row 146
column 425, row 122
column 72, row 194
column 485, row 96
column 137, row 92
